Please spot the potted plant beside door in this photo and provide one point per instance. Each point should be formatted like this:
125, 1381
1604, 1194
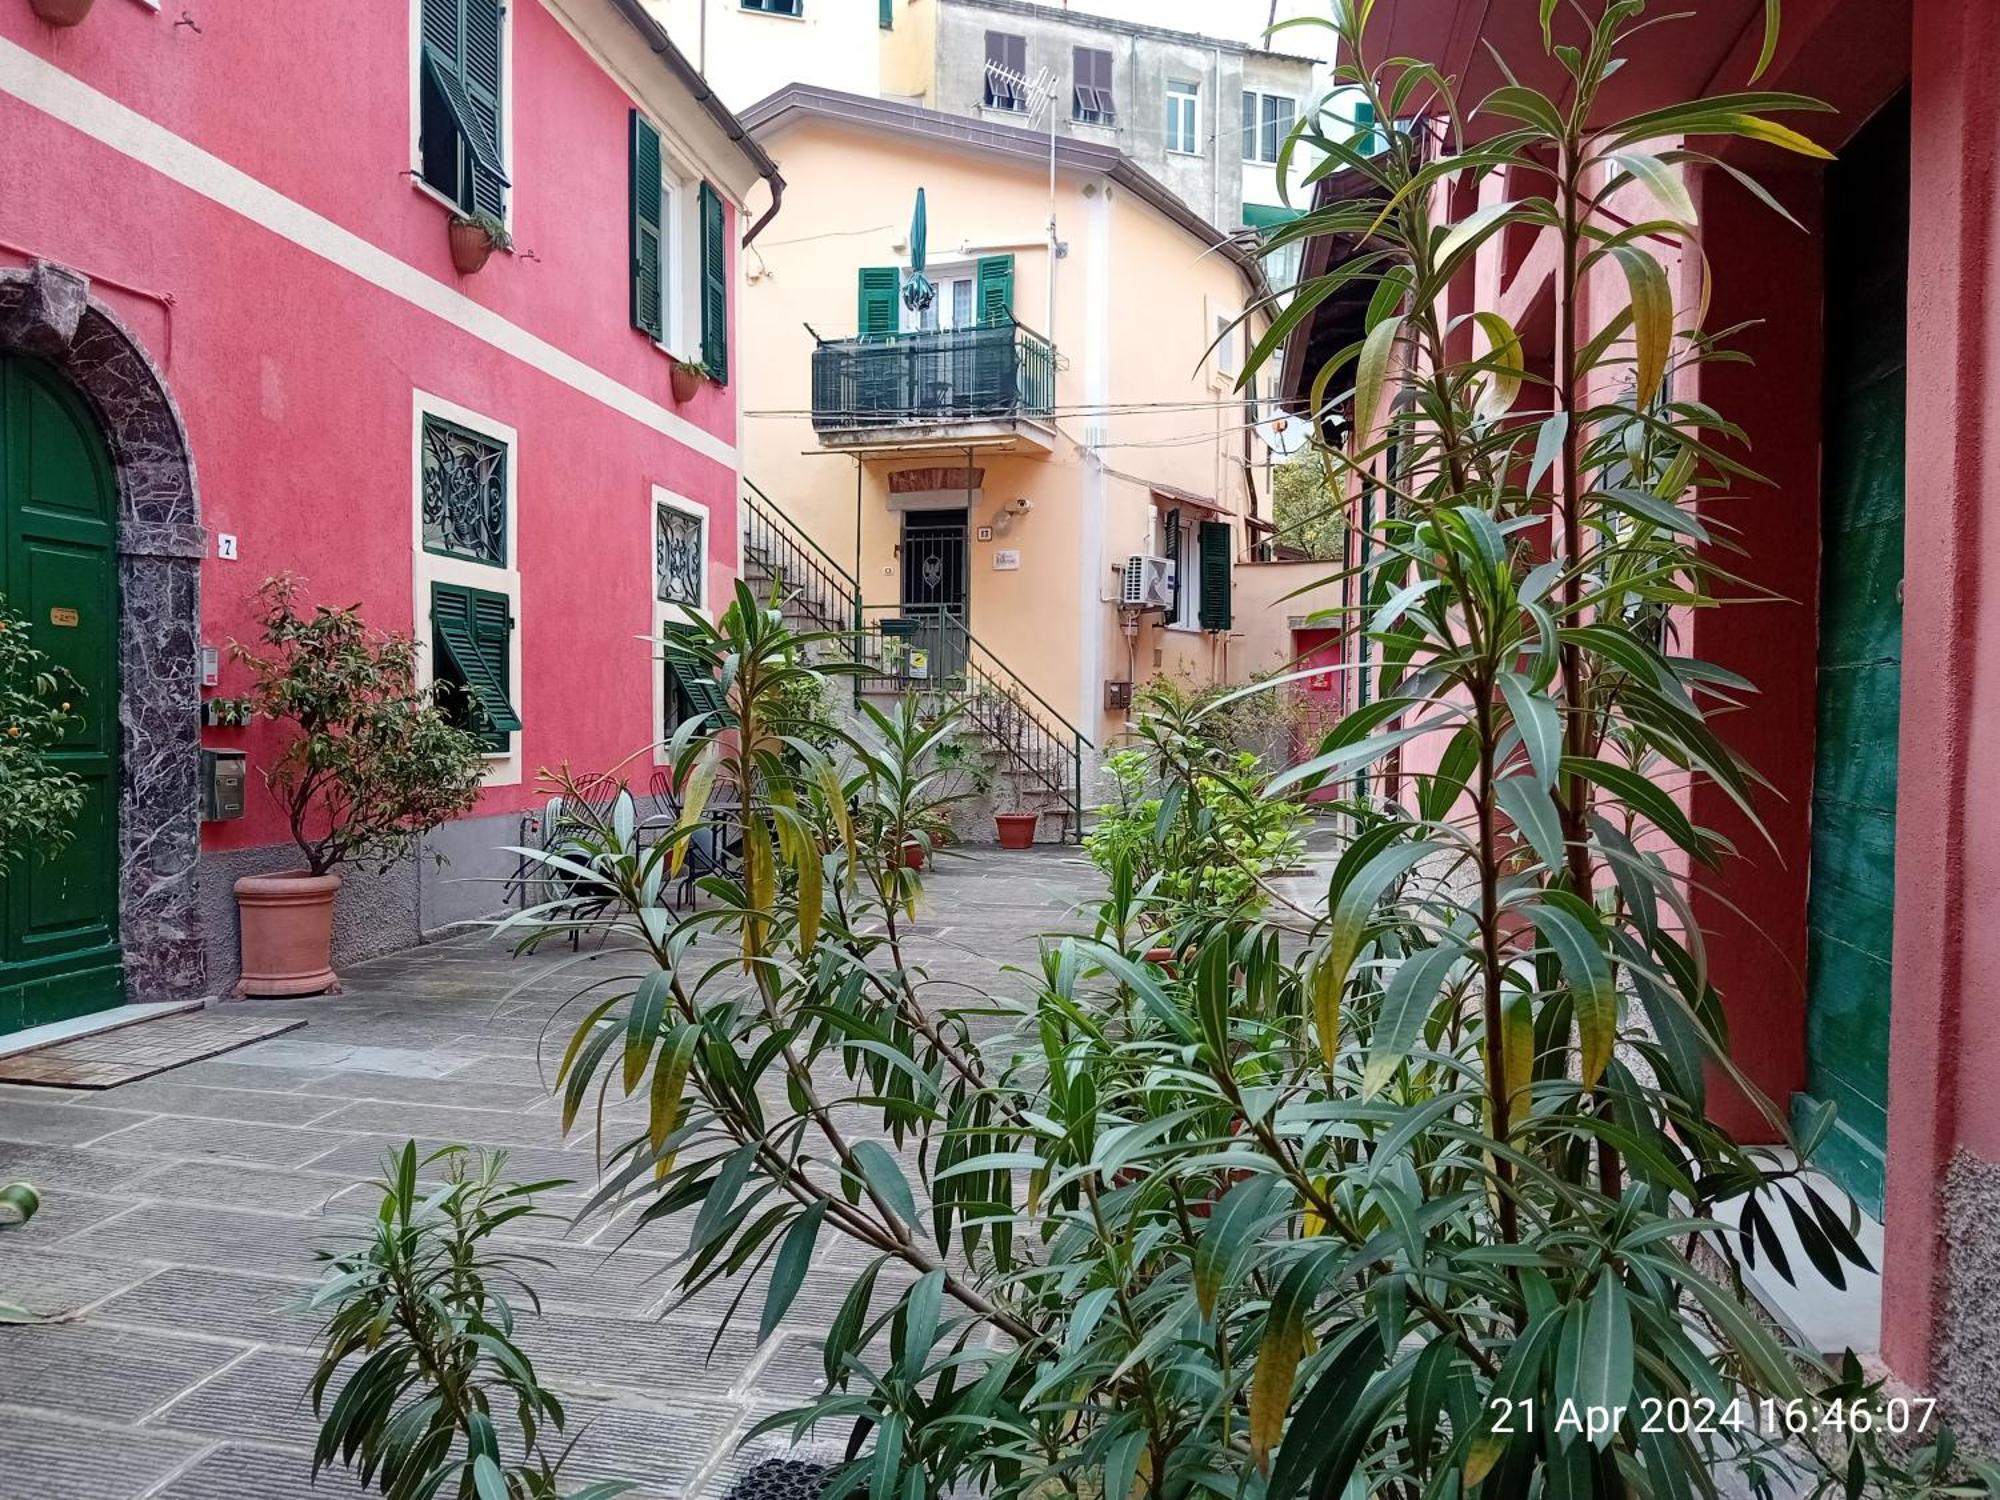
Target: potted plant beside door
372, 763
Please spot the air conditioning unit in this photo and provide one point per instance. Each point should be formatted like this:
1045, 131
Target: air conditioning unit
1149, 582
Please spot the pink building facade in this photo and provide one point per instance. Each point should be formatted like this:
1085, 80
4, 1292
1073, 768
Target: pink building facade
1856, 964
228, 301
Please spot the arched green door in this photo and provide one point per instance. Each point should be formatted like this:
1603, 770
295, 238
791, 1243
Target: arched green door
59, 952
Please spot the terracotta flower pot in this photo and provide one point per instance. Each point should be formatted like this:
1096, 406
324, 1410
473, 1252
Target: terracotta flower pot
62, 12
1166, 959
684, 382
1017, 830
470, 246
913, 853
287, 934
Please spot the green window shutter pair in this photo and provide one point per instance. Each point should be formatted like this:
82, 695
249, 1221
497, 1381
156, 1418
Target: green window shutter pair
880, 286
472, 632
648, 305
462, 59
1218, 558
714, 286
993, 290
692, 671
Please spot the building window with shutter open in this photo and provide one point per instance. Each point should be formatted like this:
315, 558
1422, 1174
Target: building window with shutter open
1006, 72
677, 253
685, 683
1091, 101
461, 103
467, 579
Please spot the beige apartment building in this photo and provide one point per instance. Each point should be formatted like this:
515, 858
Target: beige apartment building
1030, 474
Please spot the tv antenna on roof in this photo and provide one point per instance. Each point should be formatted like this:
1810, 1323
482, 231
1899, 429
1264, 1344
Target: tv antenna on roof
1019, 93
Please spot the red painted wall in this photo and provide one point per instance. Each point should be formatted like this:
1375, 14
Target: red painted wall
295, 376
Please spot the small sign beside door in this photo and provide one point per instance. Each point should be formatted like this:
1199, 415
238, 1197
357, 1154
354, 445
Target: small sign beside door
1006, 560
69, 619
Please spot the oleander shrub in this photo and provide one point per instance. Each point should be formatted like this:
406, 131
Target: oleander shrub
1411, 1191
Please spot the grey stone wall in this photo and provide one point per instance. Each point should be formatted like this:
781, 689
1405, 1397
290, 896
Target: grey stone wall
1966, 1366
378, 911
1144, 60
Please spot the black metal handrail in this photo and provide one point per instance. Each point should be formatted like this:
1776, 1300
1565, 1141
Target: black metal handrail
933, 652
933, 375
957, 666
820, 587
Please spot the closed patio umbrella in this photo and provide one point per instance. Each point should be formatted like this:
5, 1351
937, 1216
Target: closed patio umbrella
918, 293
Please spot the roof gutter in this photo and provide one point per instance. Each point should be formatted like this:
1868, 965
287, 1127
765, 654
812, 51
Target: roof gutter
690, 77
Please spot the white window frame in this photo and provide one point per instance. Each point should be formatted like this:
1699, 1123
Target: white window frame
1256, 155
1183, 96
1226, 362
666, 613
941, 276
680, 251
416, 97
502, 768
1186, 565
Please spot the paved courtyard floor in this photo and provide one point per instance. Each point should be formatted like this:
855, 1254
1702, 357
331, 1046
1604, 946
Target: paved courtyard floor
180, 1215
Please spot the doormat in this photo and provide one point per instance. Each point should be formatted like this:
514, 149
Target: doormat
130, 1053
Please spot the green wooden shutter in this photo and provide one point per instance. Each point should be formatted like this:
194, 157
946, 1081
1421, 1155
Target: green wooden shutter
1171, 537
879, 287
994, 290
483, 71
644, 154
692, 666
888, 15
1218, 557
472, 632
714, 287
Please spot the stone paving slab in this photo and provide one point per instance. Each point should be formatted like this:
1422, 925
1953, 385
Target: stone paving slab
71, 1459
225, 1304
169, 1095
231, 1184
55, 1283
180, 1217
63, 1168
237, 1472
94, 1370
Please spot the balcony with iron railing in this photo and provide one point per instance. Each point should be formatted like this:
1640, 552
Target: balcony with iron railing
935, 387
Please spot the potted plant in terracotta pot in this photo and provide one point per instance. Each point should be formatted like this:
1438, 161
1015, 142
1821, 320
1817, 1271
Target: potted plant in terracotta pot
62, 12
1016, 829
373, 763
474, 237
684, 378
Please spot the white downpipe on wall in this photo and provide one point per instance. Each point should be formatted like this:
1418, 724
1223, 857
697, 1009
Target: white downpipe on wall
1097, 391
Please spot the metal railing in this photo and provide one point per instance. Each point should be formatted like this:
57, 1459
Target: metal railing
931, 652
933, 375
775, 549
927, 652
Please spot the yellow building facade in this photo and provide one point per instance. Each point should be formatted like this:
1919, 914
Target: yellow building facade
1001, 460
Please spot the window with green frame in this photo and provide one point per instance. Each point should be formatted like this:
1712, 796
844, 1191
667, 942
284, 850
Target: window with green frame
472, 661
464, 493
460, 93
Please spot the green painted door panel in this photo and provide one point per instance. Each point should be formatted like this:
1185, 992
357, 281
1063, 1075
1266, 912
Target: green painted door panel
1850, 912
59, 952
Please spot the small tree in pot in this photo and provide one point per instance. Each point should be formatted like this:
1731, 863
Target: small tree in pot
375, 764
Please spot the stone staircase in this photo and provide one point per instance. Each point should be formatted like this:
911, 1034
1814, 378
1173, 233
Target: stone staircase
1034, 756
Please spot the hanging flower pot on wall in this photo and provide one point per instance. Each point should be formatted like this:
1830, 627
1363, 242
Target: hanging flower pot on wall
685, 379
474, 237
62, 12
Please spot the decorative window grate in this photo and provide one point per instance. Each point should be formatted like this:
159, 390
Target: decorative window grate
680, 556
465, 494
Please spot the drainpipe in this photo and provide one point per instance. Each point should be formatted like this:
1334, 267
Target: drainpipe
1215, 137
